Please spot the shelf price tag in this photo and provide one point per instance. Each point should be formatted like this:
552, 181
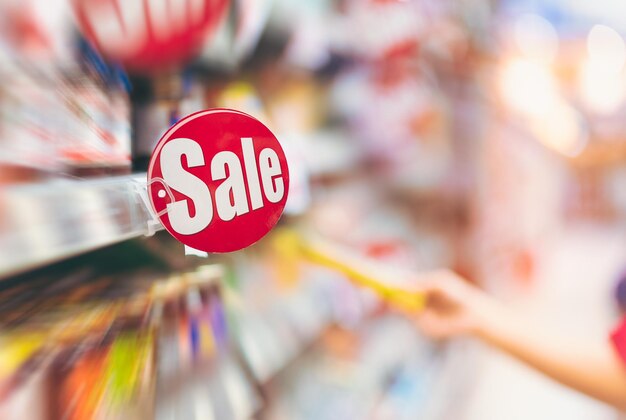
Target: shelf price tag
223, 180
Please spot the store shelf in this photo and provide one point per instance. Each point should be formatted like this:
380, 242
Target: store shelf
43, 223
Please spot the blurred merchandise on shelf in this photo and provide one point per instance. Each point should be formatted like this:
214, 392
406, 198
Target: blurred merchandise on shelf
90, 346
354, 374
63, 111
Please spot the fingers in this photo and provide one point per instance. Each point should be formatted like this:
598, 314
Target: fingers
444, 282
437, 327
440, 282
452, 304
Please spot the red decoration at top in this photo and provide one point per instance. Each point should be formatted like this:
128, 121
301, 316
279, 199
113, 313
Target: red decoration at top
147, 35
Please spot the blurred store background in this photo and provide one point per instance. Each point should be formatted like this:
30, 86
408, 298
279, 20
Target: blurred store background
482, 135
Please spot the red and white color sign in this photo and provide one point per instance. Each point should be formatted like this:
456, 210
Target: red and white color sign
218, 179
147, 35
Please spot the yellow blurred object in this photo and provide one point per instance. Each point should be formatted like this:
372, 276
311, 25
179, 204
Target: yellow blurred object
15, 349
288, 258
362, 271
244, 97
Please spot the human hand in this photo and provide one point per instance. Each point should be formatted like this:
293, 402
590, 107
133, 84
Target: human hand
453, 306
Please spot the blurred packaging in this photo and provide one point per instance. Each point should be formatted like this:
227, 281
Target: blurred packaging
62, 110
118, 350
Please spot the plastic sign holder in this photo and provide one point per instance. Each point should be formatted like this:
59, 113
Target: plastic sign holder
140, 192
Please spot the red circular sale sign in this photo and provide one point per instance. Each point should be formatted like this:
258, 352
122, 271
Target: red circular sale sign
218, 180
147, 35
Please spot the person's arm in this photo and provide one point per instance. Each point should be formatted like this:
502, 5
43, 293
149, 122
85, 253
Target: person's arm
455, 308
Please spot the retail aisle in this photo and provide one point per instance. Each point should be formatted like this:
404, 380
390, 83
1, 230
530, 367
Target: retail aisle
575, 293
